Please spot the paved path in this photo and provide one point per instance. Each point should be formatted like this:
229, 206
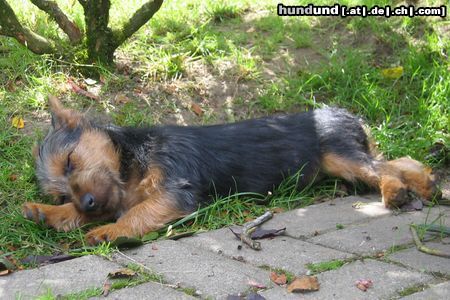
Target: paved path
373, 242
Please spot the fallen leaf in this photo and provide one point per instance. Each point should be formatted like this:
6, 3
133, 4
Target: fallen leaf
392, 73
304, 284
260, 233
256, 284
5, 272
90, 81
277, 210
251, 29
106, 288
279, 279
196, 109
126, 242
364, 284
12, 177
151, 236
415, 204
121, 99
18, 122
255, 296
234, 297
122, 273
77, 89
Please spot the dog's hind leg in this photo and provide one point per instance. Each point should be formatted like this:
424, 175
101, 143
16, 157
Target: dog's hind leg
61, 217
393, 178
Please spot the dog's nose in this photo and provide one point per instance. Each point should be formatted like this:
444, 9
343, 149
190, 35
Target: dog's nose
87, 202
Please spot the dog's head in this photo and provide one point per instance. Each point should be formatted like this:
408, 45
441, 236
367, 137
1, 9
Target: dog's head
77, 162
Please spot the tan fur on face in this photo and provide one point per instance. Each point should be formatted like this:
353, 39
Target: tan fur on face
95, 150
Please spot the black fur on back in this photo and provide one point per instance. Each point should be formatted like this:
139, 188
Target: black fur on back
249, 156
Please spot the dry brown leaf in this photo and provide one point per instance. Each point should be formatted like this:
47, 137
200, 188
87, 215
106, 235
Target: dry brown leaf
5, 272
106, 288
304, 284
256, 284
122, 273
277, 210
196, 109
121, 99
278, 279
77, 89
364, 284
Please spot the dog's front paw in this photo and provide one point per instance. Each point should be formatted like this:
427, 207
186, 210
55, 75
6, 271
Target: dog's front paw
107, 233
34, 212
62, 218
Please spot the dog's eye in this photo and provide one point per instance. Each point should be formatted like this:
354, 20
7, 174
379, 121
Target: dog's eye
62, 199
69, 165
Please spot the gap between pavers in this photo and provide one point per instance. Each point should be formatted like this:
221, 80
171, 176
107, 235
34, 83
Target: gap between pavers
324, 217
188, 266
388, 280
377, 234
67, 277
147, 291
436, 292
425, 262
280, 252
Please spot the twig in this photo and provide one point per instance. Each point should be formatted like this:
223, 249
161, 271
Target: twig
421, 247
249, 227
53, 10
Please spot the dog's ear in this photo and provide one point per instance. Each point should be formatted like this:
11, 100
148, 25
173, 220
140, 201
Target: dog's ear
63, 117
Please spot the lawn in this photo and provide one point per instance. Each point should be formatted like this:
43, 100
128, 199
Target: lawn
205, 62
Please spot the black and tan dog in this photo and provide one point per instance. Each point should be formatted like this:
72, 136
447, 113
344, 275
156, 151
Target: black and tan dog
142, 178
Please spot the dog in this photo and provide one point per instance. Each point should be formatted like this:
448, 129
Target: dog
143, 178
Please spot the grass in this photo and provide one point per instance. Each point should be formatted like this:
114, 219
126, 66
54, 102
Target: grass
316, 268
236, 59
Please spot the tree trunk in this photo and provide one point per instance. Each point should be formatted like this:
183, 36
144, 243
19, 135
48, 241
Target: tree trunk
51, 8
100, 39
10, 26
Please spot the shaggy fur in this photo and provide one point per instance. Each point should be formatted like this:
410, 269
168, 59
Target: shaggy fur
142, 178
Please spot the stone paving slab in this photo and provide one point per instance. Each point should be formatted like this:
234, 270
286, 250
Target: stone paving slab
375, 235
62, 278
422, 261
388, 280
188, 266
147, 291
281, 252
323, 217
437, 292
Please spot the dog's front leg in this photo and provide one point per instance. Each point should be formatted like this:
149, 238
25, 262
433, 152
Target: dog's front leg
149, 215
61, 217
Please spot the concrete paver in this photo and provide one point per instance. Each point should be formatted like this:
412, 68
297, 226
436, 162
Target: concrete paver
211, 264
62, 278
437, 292
281, 252
147, 291
323, 217
422, 261
188, 266
388, 280
375, 235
